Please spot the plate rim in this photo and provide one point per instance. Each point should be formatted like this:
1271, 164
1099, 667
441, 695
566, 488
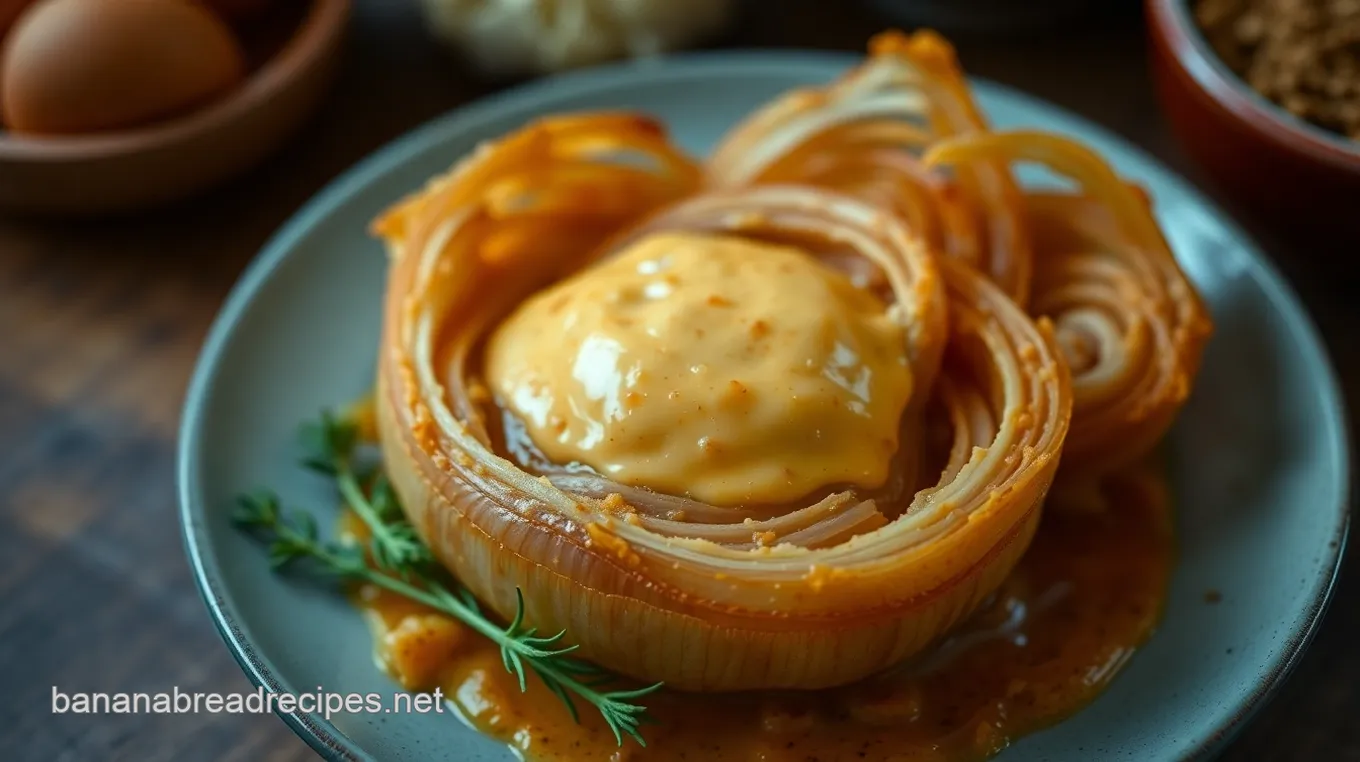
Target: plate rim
321, 735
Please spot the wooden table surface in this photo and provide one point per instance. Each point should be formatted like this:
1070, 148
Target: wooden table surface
100, 323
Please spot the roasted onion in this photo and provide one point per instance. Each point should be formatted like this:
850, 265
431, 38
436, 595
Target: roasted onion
662, 587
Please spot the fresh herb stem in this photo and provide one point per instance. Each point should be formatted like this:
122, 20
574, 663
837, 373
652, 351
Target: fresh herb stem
405, 566
332, 445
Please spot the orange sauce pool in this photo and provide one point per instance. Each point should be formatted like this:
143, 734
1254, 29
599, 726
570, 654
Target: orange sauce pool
1088, 592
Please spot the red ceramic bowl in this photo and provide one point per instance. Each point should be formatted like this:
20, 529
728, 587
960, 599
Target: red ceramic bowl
1280, 169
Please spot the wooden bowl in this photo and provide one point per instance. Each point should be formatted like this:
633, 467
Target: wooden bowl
1281, 170
142, 167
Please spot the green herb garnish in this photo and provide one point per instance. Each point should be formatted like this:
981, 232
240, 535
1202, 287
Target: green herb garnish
402, 564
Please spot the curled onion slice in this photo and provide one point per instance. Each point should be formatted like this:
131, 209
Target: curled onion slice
863, 134
840, 590
1131, 325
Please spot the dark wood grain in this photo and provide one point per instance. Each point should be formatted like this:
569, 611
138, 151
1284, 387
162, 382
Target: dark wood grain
100, 323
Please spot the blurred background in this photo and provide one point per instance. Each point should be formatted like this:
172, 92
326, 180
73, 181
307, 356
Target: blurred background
133, 193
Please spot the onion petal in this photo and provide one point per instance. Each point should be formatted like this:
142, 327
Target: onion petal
863, 134
1131, 325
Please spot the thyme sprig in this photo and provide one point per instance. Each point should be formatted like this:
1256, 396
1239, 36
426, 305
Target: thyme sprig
331, 444
402, 564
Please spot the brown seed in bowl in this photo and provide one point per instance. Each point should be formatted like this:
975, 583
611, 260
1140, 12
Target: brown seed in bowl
1302, 54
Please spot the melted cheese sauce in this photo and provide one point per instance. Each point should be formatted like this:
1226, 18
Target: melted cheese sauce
727, 370
1088, 592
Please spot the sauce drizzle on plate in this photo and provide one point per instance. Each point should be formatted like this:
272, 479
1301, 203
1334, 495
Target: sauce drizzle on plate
1089, 591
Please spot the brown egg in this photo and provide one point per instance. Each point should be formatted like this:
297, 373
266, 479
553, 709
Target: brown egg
73, 66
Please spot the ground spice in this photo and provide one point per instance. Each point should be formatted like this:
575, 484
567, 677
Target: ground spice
1302, 54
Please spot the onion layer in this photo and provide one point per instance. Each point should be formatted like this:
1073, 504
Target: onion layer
863, 134
1131, 325
654, 586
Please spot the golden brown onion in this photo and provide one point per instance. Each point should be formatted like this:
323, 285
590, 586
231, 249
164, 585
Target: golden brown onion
664, 588
1131, 325
862, 135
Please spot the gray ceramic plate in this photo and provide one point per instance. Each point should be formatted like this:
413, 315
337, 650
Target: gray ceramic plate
1260, 454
